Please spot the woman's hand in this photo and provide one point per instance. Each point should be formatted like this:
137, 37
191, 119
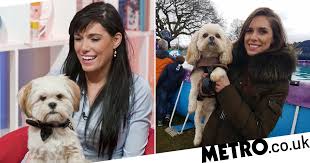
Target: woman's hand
221, 83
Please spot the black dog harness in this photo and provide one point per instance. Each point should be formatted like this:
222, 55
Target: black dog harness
47, 128
207, 65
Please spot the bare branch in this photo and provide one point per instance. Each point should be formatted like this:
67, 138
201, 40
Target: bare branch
183, 16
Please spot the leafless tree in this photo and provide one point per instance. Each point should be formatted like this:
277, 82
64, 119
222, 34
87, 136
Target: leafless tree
184, 16
235, 29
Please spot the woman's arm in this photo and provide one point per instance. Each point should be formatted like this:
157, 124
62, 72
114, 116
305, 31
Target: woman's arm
139, 120
253, 122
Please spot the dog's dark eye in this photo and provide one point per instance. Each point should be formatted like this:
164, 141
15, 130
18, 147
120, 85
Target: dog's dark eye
42, 98
59, 96
218, 35
205, 35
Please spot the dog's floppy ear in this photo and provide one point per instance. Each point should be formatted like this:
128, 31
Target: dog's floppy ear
192, 55
75, 93
23, 96
226, 57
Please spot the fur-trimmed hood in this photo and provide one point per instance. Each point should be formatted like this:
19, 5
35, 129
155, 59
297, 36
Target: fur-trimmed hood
272, 66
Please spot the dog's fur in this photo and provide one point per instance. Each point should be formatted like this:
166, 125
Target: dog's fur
200, 47
34, 99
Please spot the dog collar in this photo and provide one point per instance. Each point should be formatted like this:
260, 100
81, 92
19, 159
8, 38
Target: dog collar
47, 128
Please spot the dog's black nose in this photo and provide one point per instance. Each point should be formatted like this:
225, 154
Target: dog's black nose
211, 38
52, 105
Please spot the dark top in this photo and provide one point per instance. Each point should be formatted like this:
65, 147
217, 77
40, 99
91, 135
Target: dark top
250, 106
171, 78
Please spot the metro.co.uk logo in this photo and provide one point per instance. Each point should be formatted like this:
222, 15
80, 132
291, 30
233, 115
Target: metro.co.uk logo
250, 148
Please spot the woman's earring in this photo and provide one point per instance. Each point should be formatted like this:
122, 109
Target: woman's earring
115, 52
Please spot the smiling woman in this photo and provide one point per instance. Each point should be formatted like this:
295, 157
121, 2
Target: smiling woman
95, 48
115, 107
258, 36
251, 97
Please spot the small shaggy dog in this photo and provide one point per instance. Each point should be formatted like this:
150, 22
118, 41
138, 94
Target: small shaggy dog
209, 52
49, 102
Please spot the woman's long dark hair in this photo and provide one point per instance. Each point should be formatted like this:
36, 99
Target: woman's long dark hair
279, 36
112, 102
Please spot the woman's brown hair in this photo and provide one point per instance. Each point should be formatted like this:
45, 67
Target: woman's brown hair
279, 36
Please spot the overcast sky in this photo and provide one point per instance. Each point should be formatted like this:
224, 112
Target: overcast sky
295, 14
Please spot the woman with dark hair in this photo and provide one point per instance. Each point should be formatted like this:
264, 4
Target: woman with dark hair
251, 97
115, 107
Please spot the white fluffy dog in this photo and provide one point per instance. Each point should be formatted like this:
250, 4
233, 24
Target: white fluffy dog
208, 47
49, 102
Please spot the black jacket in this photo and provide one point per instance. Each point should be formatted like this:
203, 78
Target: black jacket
171, 78
250, 106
